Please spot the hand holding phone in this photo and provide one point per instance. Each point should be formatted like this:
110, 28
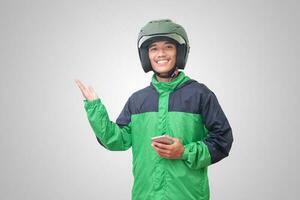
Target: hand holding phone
165, 139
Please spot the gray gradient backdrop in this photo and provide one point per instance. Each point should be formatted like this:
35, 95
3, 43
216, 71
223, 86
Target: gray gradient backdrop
247, 52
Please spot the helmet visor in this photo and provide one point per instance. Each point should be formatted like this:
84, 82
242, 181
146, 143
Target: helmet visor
173, 36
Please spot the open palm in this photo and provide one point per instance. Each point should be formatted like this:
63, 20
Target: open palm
88, 92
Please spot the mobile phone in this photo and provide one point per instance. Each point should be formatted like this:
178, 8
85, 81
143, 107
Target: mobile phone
162, 139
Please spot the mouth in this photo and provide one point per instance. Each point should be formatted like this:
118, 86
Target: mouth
162, 62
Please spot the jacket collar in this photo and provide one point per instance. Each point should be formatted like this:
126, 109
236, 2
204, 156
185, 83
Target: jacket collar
162, 87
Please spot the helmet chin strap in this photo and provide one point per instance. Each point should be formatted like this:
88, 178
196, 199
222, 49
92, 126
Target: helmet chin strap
171, 74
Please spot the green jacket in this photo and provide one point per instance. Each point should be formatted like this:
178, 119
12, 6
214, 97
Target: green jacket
182, 108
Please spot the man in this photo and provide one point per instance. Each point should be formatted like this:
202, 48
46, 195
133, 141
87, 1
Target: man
173, 105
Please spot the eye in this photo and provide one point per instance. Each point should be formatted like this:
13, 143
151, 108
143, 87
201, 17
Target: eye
170, 46
153, 49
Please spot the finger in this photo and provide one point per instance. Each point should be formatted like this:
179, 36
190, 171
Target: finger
85, 91
80, 85
78, 82
160, 151
162, 146
165, 152
92, 91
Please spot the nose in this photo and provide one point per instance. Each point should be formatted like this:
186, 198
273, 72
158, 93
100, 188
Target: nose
161, 52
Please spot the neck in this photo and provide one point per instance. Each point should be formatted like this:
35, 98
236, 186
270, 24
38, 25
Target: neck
160, 79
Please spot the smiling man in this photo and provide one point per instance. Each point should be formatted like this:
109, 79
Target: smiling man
175, 126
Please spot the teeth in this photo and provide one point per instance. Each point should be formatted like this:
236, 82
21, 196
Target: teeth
162, 61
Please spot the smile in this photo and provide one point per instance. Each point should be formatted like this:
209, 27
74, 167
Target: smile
162, 61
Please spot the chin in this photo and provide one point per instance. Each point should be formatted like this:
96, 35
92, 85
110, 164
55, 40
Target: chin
163, 70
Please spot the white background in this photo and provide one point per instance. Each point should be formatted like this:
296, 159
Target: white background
247, 52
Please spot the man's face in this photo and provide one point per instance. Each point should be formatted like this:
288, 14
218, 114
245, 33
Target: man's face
162, 56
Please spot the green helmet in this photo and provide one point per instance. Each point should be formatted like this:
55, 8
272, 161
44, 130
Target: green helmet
163, 29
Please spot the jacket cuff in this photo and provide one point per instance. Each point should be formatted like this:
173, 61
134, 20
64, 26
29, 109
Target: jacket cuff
184, 155
91, 104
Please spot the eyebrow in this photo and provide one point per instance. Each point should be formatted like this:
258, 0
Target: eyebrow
153, 44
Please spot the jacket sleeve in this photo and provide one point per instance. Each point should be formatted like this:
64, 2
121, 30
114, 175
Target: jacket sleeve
112, 136
217, 144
